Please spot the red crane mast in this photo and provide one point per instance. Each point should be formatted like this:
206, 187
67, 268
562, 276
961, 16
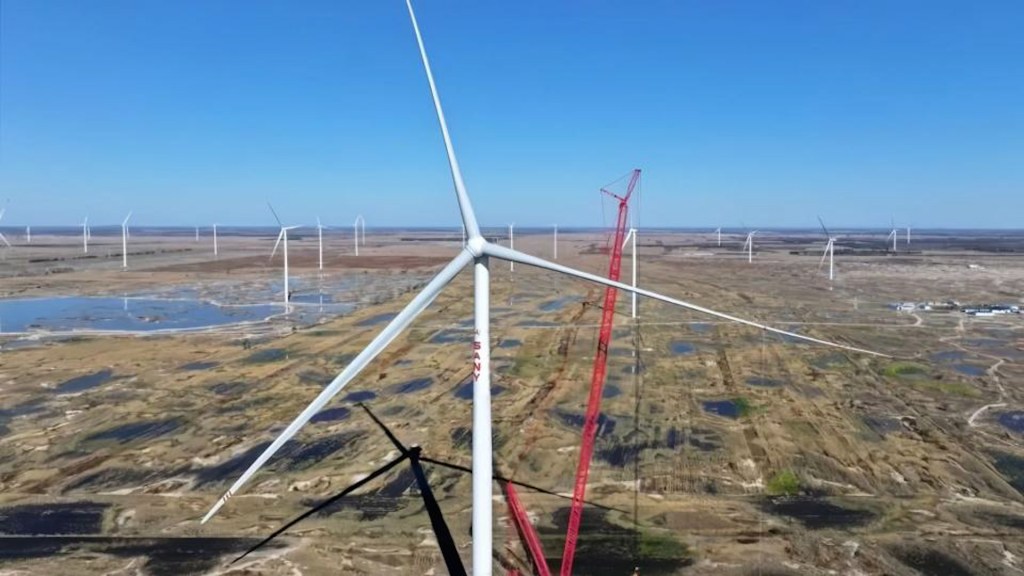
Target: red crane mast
526, 531
597, 378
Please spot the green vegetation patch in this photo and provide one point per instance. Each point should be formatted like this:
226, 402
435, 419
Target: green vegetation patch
949, 387
784, 483
904, 369
743, 406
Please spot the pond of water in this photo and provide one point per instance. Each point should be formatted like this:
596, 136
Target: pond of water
123, 314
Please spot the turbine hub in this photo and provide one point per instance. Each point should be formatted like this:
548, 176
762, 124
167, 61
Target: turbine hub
476, 245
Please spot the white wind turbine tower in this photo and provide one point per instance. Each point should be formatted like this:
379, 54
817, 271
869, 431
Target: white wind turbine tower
477, 251
28, 234
85, 235
124, 241
719, 232
214, 240
512, 246
749, 246
283, 234
555, 244
892, 235
197, 233
829, 250
320, 237
908, 234
360, 221
2, 237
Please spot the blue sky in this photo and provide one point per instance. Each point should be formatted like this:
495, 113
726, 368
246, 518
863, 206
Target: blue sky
767, 113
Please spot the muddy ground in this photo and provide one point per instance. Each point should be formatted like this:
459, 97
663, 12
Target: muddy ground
722, 449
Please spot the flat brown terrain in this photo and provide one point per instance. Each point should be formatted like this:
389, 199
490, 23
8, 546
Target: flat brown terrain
723, 449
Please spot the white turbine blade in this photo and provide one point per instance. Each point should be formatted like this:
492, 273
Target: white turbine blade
318, 225
465, 208
381, 341
503, 253
276, 244
628, 234
125, 223
4, 238
274, 212
824, 254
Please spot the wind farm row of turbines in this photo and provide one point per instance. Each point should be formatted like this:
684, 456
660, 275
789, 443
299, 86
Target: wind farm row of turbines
828, 253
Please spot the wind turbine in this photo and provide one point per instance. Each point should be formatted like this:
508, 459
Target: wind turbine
555, 244
511, 245
28, 234
908, 234
214, 240
2, 237
829, 250
477, 251
197, 233
320, 236
283, 234
749, 246
892, 235
355, 229
631, 235
719, 232
124, 241
85, 235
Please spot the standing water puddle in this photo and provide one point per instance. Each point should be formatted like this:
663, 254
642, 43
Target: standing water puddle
949, 356
83, 383
815, 513
727, 408
378, 319
680, 348
360, 396
52, 519
412, 386
136, 431
465, 392
970, 370
195, 366
1013, 420
330, 415
120, 314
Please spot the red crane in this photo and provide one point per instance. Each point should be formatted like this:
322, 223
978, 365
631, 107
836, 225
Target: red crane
597, 378
526, 531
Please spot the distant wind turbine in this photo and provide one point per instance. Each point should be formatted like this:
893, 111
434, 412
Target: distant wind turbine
749, 245
28, 234
124, 241
719, 232
892, 235
214, 240
283, 234
555, 243
908, 234
85, 235
829, 250
2, 237
197, 233
355, 230
320, 236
